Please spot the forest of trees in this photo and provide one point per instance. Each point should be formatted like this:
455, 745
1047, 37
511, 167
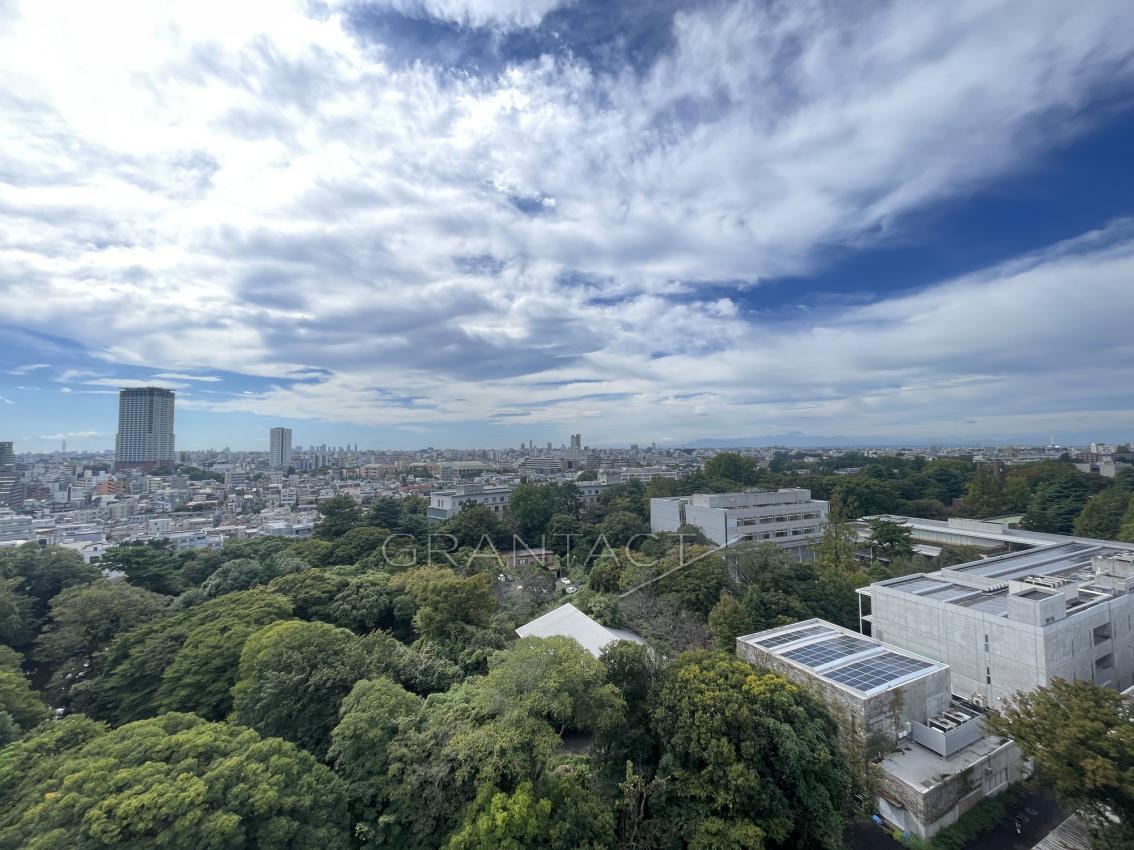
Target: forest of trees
365, 688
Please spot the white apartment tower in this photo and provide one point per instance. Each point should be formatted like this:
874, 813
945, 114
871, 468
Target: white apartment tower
280, 448
145, 428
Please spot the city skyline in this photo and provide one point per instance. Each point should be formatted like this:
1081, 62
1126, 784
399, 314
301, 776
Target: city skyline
474, 224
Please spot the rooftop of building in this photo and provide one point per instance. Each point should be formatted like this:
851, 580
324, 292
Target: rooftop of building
569, 621
923, 769
844, 658
1084, 574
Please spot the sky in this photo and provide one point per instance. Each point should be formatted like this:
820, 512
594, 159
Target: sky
409, 223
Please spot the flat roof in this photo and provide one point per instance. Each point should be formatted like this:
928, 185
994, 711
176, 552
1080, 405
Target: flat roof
842, 657
983, 585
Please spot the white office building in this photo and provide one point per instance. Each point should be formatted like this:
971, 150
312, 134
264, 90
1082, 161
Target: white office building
444, 504
145, 428
279, 449
787, 517
1016, 622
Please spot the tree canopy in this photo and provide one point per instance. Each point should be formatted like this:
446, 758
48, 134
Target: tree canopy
173, 781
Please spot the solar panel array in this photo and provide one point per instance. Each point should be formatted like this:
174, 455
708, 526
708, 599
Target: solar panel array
877, 670
826, 651
788, 637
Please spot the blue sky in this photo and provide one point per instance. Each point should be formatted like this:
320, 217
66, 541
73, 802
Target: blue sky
477, 222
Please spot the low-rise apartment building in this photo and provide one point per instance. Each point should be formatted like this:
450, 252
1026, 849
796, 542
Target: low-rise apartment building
788, 517
444, 504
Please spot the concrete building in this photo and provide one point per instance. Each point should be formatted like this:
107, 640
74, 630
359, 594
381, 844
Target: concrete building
988, 534
934, 758
279, 448
444, 504
543, 465
145, 428
1015, 622
7, 457
788, 517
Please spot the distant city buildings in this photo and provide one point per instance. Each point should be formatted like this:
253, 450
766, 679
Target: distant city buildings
279, 449
145, 428
788, 517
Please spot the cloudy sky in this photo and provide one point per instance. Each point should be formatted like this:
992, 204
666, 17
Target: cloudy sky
477, 222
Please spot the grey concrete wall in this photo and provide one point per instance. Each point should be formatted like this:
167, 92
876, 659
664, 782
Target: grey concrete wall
665, 515
929, 810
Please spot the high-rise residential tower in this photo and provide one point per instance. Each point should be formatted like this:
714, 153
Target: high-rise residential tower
279, 452
145, 428
7, 457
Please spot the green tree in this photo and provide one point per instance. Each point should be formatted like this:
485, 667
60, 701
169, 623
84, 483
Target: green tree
890, 540
384, 512
337, 516
17, 622
312, 592
620, 528
293, 676
1126, 528
357, 543
141, 670
151, 565
439, 763
87, 617
41, 572
476, 523
175, 782
728, 620
369, 718
19, 703
752, 750
984, 495
865, 496
531, 507
554, 679
365, 604
1081, 736
732, 467
1102, 516
1056, 501
444, 600
560, 812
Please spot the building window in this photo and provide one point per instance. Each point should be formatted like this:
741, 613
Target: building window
987, 675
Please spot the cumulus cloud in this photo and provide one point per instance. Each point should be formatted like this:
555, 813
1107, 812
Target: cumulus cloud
474, 13
263, 189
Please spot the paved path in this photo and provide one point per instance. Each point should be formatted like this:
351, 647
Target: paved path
1038, 813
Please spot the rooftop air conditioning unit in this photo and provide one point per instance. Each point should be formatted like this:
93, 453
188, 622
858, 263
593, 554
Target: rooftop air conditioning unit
978, 700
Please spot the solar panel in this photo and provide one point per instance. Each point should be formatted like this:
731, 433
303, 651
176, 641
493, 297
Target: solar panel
787, 637
878, 670
826, 651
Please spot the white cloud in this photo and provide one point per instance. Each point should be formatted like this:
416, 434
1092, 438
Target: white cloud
179, 376
476, 13
243, 187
